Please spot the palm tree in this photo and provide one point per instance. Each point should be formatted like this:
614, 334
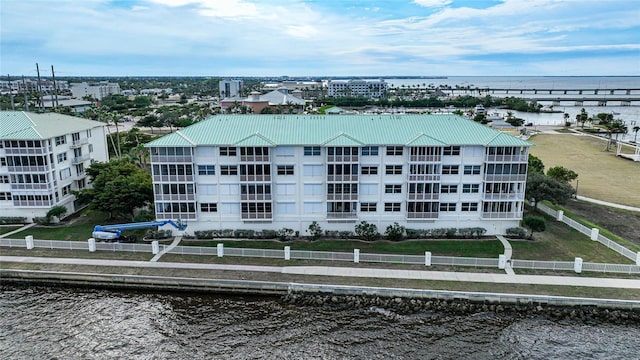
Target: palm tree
635, 130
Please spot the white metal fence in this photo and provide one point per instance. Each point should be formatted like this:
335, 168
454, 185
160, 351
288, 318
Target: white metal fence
329, 256
588, 231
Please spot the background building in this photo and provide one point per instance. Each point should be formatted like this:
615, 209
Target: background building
230, 88
42, 158
352, 88
97, 90
273, 171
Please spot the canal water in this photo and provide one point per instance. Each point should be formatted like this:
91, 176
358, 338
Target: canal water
79, 323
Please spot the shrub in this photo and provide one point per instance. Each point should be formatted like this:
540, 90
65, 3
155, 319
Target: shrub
57, 211
366, 231
345, 234
249, 234
516, 233
285, 234
42, 220
331, 234
394, 232
314, 230
13, 220
159, 234
534, 223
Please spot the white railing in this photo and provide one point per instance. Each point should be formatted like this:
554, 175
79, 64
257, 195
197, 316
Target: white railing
328, 256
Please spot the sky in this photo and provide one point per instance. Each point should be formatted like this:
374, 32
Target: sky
320, 37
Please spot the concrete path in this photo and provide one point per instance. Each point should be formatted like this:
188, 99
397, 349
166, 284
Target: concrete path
507, 254
606, 203
18, 230
351, 272
174, 243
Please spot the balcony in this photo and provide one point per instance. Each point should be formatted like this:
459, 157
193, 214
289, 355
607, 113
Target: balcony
425, 158
501, 215
342, 215
173, 216
254, 158
173, 178
424, 177
422, 215
29, 169
171, 159
255, 197
505, 177
32, 203
28, 151
353, 197
424, 196
79, 143
342, 178
342, 158
503, 196
39, 186
507, 158
254, 178
257, 216
174, 197
79, 159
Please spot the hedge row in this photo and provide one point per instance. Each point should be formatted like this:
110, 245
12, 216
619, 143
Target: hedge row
446, 233
12, 220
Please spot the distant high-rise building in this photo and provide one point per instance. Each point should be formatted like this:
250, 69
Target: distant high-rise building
230, 88
97, 90
369, 89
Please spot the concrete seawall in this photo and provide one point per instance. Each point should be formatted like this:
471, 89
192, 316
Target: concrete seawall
297, 291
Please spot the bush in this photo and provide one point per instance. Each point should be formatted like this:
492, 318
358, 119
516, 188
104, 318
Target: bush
13, 220
366, 231
394, 232
534, 223
249, 234
285, 234
516, 233
331, 234
42, 220
158, 235
57, 211
314, 230
345, 234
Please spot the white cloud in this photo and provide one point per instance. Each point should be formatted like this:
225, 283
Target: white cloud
432, 3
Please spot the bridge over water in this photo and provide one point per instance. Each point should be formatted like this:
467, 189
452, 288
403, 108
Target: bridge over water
558, 96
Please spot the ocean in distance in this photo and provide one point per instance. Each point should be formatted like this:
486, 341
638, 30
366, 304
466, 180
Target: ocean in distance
79, 323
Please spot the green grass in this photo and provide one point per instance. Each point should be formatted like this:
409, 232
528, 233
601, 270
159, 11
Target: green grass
6, 229
465, 248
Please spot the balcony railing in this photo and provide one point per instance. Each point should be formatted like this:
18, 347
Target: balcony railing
342, 178
33, 203
28, 151
501, 215
40, 168
39, 186
173, 178
171, 158
342, 158
254, 158
342, 196
503, 196
265, 177
507, 158
424, 196
425, 158
171, 197
252, 216
342, 215
424, 177
79, 159
255, 196
173, 216
505, 177
79, 142
422, 215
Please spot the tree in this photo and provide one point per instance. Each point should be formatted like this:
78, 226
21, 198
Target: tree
535, 165
367, 231
314, 230
481, 118
635, 130
534, 223
57, 211
542, 187
119, 188
581, 118
616, 126
394, 232
562, 174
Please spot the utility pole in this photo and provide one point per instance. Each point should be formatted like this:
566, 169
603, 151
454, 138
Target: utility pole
40, 96
55, 88
13, 105
24, 88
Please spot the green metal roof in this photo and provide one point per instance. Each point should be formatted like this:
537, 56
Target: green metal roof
20, 125
337, 130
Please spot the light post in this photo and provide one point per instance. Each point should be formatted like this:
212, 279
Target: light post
577, 183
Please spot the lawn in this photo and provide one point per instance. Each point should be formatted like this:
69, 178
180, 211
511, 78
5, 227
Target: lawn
601, 175
6, 229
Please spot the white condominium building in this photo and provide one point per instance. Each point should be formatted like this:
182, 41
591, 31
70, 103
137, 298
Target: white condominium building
267, 172
353, 88
230, 88
97, 90
42, 158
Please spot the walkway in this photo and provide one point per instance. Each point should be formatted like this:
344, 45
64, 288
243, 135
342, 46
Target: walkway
18, 230
606, 203
351, 272
507, 254
174, 243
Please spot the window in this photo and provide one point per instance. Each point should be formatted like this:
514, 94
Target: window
312, 151
203, 189
447, 206
472, 169
89, 133
90, 148
3, 161
286, 208
394, 150
312, 189
313, 208
312, 170
470, 188
393, 169
5, 196
393, 189
285, 189
66, 190
469, 206
61, 140
450, 169
4, 179
285, 169
206, 169
451, 150
392, 207
369, 189
209, 207
228, 170
285, 151
449, 189
228, 151
370, 151
65, 173
369, 170
62, 157
368, 207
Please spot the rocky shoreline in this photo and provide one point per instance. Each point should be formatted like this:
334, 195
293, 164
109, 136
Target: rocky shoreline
403, 306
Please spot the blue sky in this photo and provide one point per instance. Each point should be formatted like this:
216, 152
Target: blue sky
320, 37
